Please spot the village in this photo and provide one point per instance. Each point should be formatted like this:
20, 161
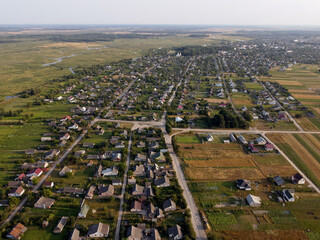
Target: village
144, 138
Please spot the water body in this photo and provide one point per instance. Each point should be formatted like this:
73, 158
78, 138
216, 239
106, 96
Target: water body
58, 60
61, 58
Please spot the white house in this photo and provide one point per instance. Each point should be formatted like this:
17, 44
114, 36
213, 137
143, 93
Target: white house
253, 201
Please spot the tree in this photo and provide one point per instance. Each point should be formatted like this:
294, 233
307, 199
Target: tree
247, 116
218, 121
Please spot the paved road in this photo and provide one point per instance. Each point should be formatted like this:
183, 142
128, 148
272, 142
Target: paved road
125, 177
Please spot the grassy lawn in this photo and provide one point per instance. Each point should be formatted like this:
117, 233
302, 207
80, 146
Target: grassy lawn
188, 139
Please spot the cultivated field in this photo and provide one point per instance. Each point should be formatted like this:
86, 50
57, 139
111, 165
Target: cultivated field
303, 150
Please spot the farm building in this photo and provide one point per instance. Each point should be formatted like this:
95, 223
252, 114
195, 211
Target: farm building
298, 179
253, 201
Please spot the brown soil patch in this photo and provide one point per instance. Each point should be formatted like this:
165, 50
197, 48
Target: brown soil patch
261, 235
301, 91
310, 103
214, 100
284, 171
306, 96
232, 174
242, 102
312, 141
289, 83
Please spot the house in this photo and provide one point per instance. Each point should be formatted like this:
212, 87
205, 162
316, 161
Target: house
154, 212
71, 190
136, 206
124, 133
64, 171
154, 145
162, 182
116, 157
138, 171
178, 119
244, 109
98, 230
268, 147
98, 171
90, 192
75, 235
132, 181
253, 201
46, 139
137, 190
112, 171
134, 233
232, 138
44, 203
175, 232
140, 157
209, 138
288, 195
119, 144
79, 153
48, 184
116, 182
242, 140
83, 211
88, 145
261, 141
243, 184
17, 231
222, 105
141, 144
66, 136
169, 205
30, 151
252, 148
62, 143
4, 203
106, 191
34, 172
51, 154
298, 179
20, 177
278, 180
63, 221
16, 192
158, 156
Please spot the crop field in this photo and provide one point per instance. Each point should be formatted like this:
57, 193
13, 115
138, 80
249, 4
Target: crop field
303, 150
253, 86
215, 160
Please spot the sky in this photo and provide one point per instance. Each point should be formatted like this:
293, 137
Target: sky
187, 12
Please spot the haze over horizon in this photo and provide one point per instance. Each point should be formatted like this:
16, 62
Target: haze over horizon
176, 12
